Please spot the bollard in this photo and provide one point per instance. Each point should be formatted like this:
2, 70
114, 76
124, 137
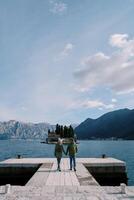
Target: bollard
123, 188
18, 156
103, 156
7, 188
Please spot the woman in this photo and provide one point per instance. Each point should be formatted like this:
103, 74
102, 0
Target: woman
58, 152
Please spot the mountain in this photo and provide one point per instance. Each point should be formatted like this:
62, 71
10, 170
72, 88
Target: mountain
19, 130
115, 124
74, 125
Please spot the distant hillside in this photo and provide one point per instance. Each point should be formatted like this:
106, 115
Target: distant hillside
74, 125
19, 130
117, 124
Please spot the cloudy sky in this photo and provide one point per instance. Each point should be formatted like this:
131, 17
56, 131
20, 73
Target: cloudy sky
65, 60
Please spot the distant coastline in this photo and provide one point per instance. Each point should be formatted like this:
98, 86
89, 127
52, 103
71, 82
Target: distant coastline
115, 125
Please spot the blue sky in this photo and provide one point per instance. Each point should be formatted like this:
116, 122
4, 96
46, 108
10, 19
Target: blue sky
64, 61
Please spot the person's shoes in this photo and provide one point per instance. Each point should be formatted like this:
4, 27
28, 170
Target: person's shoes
75, 169
59, 169
70, 168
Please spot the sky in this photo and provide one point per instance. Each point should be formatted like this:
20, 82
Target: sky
62, 61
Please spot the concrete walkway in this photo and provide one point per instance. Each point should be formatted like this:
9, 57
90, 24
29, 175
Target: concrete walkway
48, 174
49, 184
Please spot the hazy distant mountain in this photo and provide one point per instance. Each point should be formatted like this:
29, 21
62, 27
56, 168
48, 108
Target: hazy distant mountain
19, 130
117, 124
74, 125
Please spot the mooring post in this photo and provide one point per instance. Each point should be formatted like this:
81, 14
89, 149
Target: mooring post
18, 156
123, 188
7, 188
103, 156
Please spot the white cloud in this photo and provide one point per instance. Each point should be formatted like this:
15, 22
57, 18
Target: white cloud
57, 7
119, 40
115, 71
114, 100
67, 49
65, 52
97, 104
91, 104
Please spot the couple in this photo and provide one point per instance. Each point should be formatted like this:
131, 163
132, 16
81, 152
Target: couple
71, 149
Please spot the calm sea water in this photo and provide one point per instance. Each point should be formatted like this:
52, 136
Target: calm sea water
123, 150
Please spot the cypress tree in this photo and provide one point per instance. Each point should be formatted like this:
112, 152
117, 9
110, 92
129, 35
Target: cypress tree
71, 131
65, 131
61, 132
57, 130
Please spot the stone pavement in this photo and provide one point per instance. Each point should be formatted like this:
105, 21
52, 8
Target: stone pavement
56, 193
67, 193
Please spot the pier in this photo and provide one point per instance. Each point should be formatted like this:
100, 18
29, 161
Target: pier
38, 178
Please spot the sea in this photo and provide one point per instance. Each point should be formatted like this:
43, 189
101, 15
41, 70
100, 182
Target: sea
123, 150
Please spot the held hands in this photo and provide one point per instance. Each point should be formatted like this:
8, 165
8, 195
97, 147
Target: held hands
65, 153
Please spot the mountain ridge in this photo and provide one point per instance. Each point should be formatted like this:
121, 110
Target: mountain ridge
14, 129
117, 124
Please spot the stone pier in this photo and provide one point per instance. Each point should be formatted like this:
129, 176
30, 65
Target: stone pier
43, 181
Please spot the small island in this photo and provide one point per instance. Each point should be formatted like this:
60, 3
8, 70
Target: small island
62, 132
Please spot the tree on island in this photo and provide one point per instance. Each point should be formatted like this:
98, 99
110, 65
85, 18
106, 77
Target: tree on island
64, 132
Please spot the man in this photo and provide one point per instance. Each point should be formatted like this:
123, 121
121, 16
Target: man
72, 150
58, 152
